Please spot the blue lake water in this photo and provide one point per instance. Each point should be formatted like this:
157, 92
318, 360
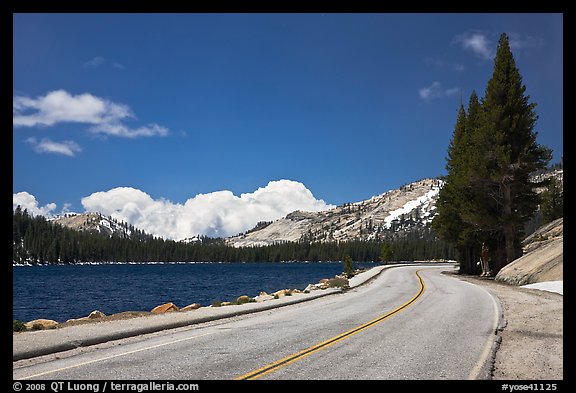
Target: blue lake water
61, 292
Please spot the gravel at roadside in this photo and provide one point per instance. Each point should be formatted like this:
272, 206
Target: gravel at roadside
532, 337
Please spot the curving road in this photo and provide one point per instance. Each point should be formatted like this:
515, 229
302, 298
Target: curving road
411, 322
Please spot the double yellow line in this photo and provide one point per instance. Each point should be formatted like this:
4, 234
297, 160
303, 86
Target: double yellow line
324, 344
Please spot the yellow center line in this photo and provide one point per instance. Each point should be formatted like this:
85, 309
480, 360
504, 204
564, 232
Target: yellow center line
331, 341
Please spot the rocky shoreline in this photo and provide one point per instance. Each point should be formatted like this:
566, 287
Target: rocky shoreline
338, 281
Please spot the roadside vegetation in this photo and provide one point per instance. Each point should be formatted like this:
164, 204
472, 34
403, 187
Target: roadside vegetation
490, 194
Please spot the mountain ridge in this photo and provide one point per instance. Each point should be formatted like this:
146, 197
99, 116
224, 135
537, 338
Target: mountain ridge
408, 207
94, 221
384, 216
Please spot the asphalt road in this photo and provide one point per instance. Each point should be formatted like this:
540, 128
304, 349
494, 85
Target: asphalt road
411, 322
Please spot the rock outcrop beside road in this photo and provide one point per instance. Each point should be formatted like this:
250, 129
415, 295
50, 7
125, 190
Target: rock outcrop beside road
543, 258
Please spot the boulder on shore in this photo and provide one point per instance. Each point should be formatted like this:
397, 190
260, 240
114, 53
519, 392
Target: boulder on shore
263, 297
243, 299
190, 307
41, 324
96, 314
92, 316
72, 320
164, 308
323, 283
282, 292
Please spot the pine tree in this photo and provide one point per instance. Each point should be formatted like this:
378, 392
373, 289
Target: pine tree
347, 266
509, 152
385, 253
472, 192
448, 222
552, 202
488, 195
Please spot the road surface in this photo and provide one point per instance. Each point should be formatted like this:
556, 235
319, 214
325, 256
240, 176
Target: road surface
411, 322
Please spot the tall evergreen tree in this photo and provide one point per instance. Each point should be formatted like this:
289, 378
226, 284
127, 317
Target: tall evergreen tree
488, 196
447, 222
459, 190
510, 154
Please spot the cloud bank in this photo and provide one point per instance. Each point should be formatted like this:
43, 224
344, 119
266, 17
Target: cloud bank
215, 214
59, 106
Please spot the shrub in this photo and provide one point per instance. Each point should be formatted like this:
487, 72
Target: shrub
18, 326
338, 282
347, 266
216, 303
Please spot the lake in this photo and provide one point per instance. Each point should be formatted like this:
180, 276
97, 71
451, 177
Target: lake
61, 292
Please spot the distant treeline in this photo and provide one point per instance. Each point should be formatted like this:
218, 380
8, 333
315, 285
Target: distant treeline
39, 241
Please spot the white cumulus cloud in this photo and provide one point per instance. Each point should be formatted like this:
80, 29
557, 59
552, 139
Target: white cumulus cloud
28, 201
105, 116
215, 214
60, 106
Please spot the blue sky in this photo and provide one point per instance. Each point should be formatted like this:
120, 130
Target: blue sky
330, 108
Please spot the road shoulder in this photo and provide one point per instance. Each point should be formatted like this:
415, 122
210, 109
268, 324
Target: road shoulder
531, 345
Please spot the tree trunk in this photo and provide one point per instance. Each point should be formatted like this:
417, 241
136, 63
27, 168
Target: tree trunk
463, 260
467, 257
498, 258
508, 223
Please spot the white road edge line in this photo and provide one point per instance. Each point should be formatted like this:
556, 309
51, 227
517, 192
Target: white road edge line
490, 342
115, 356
